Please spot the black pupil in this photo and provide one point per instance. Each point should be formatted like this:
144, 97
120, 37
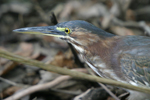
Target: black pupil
66, 30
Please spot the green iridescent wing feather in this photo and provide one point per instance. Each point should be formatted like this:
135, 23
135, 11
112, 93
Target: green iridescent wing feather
136, 68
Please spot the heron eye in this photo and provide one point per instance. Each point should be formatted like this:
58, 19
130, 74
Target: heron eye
67, 30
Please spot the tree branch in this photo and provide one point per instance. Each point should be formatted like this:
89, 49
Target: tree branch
74, 74
38, 87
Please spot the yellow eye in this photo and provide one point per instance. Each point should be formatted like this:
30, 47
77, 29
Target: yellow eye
67, 30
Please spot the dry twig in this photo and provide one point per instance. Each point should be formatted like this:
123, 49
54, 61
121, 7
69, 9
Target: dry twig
74, 74
38, 87
104, 87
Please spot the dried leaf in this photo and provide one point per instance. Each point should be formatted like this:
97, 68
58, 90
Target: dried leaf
130, 15
63, 60
7, 67
25, 49
121, 30
9, 91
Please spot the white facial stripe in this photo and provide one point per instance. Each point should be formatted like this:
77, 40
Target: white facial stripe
102, 65
73, 40
79, 49
147, 84
94, 68
133, 83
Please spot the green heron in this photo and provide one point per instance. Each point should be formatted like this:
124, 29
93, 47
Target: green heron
121, 58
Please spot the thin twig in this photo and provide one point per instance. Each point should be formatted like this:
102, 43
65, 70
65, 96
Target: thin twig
104, 87
38, 87
67, 91
124, 94
74, 74
8, 81
108, 91
13, 83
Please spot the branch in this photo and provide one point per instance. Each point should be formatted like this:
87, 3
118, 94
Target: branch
74, 74
38, 87
43, 86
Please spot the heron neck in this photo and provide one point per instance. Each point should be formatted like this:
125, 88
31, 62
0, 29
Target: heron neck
102, 47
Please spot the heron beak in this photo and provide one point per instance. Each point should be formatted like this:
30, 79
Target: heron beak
44, 30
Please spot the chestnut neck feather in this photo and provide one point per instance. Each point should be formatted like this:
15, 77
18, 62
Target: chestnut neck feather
94, 44
103, 47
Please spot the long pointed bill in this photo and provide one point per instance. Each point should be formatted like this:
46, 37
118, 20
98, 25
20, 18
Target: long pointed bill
44, 30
